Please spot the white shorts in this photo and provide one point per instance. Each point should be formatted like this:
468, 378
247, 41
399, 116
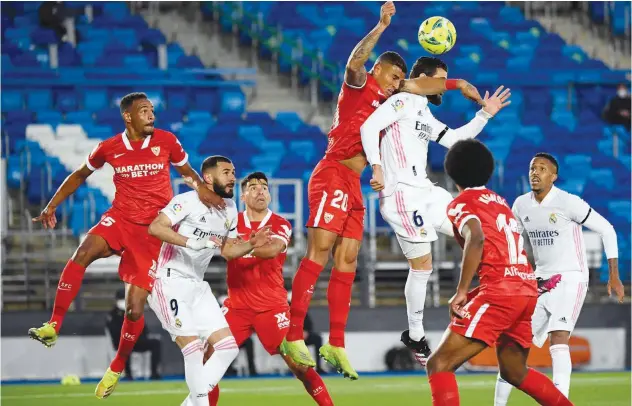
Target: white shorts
558, 310
415, 215
186, 307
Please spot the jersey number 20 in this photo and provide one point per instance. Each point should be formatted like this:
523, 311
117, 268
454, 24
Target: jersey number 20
511, 229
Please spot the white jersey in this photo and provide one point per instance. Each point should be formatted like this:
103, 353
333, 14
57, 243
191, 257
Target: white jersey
409, 126
554, 227
192, 219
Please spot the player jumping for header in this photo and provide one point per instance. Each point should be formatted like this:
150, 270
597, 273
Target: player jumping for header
412, 205
140, 156
336, 219
499, 312
553, 220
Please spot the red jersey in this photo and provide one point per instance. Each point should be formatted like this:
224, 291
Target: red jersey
141, 172
255, 283
355, 105
504, 269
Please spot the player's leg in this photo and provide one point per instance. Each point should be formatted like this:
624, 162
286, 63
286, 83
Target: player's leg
512, 361
193, 352
452, 352
311, 380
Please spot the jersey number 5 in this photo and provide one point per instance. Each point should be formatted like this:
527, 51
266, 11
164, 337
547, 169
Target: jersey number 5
516, 256
107, 221
340, 200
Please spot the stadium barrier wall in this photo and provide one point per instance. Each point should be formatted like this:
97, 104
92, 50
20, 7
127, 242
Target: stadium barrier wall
601, 342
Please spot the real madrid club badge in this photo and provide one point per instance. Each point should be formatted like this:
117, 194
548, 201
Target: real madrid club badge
552, 218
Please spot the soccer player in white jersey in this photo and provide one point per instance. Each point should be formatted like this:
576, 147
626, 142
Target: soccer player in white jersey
553, 220
191, 234
409, 202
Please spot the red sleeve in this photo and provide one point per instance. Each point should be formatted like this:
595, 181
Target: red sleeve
459, 212
282, 230
96, 159
177, 156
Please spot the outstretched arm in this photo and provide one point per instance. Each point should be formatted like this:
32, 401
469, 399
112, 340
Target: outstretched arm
425, 86
355, 73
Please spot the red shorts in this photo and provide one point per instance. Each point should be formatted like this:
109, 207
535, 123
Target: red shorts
335, 201
271, 326
492, 318
138, 250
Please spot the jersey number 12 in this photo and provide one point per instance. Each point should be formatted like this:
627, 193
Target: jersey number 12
516, 257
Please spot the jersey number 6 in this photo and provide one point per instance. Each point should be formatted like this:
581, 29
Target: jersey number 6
417, 219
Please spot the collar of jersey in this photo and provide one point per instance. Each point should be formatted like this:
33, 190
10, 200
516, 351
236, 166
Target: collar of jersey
547, 198
263, 222
128, 144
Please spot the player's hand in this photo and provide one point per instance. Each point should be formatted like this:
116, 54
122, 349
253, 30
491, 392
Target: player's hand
261, 237
198, 245
386, 12
47, 217
498, 101
470, 92
456, 304
211, 199
617, 286
377, 181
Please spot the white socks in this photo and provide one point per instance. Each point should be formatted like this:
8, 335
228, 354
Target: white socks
415, 291
562, 367
503, 390
193, 355
225, 352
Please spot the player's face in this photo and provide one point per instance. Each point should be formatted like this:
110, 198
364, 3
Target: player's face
142, 117
389, 77
256, 194
437, 99
542, 174
224, 180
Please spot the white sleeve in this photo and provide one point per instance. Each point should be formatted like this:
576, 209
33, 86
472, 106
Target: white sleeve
470, 130
392, 110
597, 223
177, 209
578, 210
514, 210
232, 216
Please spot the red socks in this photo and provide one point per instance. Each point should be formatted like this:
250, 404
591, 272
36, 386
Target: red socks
67, 289
129, 335
302, 292
445, 391
213, 396
316, 388
542, 389
339, 298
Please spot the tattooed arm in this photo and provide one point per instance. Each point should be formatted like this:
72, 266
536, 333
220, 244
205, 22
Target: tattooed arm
355, 73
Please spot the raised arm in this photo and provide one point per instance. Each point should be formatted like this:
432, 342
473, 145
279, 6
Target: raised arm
355, 73
425, 86
68, 187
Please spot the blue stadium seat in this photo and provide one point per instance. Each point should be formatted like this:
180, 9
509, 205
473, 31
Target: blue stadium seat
12, 100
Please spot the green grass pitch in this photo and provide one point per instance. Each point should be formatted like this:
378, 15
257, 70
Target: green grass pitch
587, 389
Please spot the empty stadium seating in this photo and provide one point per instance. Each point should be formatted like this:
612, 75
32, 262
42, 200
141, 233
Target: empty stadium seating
51, 118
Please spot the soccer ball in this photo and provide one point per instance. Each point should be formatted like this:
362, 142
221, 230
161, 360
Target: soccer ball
70, 380
437, 35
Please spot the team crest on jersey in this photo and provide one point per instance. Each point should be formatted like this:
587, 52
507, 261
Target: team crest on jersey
155, 150
328, 217
397, 105
227, 224
552, 218
423, 232
178, 323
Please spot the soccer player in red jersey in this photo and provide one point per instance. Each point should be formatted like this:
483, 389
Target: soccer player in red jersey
257, 299
498, 313
336, 220
140, 156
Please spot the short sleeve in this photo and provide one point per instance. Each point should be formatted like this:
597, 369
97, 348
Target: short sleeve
282, 230
96, 159
177, 155
232, 217
515, 211
459, 214
578, 210
177, 209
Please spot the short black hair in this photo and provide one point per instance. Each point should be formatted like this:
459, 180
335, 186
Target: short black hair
549, 158
393, 58
212, 161
428, 66
254, 175
129, 99
469, 163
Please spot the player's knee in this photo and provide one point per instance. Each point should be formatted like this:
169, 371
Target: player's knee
513, 376
559, 337
437, 363
86, 254
422, 263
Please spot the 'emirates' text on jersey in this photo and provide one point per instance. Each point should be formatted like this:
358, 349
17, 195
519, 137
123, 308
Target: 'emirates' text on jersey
554, 227
504, 269
355, 105
256, 283
141, 172
192, 219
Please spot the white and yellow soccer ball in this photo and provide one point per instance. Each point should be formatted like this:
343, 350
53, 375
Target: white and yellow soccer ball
437, 35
